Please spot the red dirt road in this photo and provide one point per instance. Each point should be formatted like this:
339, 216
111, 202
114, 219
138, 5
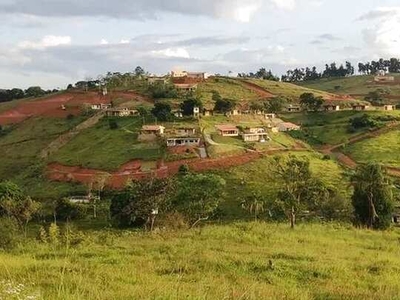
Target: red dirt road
51, 106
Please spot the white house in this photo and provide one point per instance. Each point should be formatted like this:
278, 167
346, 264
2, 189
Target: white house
100, 106
389, 107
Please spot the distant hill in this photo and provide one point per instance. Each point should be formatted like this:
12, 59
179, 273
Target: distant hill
356, 86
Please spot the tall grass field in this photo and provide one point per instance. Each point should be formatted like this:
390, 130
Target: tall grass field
236, 261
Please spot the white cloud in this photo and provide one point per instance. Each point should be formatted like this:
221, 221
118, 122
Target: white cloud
285, 4
46, 42
123, 41
103, 42
384, 36
172, 52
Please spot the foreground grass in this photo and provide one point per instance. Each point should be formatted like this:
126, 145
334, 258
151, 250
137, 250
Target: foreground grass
238, 261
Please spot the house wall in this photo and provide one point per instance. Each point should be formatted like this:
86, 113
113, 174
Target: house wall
172, 142
229, 133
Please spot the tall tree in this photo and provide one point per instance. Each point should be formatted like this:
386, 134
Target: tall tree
198, 196
372, 198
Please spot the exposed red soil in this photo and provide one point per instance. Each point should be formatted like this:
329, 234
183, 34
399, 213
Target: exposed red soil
52, 106
339, 98
260, 91
132, 170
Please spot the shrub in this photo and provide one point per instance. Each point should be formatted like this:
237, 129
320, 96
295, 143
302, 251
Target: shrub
9, 233
54, 234
66, 210
112, 123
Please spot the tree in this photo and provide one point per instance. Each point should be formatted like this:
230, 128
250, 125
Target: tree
162, 111
139, 71
140, 202
198, 196
254, 204
372, 198
299, 189
21, 210
224, 105
311, 103
17, 93
67, 211
275, 105
34, 91
375, 97
189, 104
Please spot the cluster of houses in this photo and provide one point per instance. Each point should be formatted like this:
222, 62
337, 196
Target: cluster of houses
335, 107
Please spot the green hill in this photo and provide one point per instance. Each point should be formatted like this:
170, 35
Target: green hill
358, 85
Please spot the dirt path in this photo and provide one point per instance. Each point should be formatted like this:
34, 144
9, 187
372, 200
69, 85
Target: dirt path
263, 93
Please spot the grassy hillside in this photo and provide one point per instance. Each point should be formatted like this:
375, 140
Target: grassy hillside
384, 149
256, 177
331, 128
227, 88
350, 85
291, 91
20, 149
237, 261
103, 148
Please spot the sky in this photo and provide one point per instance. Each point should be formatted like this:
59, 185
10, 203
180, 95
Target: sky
52, 43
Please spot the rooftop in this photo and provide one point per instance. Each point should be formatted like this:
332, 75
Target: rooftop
226, 127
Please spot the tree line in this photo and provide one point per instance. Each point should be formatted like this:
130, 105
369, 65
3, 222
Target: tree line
16, 93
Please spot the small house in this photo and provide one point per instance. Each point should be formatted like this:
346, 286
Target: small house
287, 126
100, 106
199, 76
178, 113
183, 141
331, 107
185, 87
384, 79
227, 130
270, 116
234, 112
293, 108
157, 80
389, 107
153, 129
185, 131
122, 112
178, 73
196, 112
360, 107
208, 112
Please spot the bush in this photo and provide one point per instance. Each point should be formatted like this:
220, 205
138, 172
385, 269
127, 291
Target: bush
9, 234
112, 123
66, 210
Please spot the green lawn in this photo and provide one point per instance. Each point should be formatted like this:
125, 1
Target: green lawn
102, 148
239, 261
350, 85
384, 149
